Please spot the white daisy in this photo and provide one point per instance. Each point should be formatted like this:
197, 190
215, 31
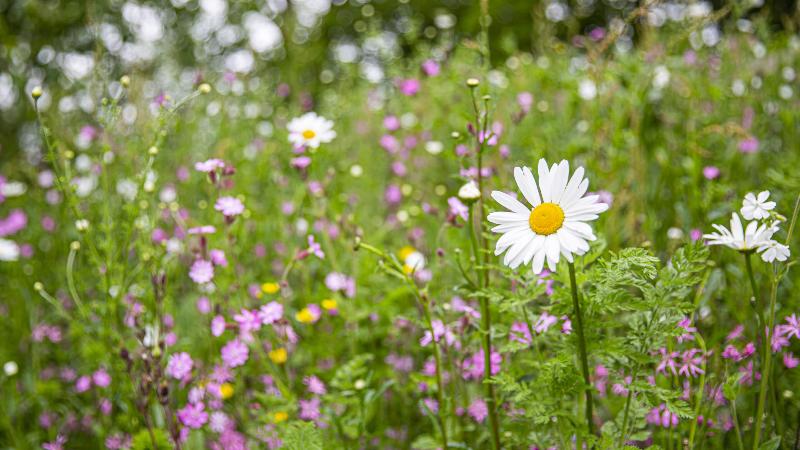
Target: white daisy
413, 260
310, 130
554, 225
756, 207
9, 250
740, 238
774, 251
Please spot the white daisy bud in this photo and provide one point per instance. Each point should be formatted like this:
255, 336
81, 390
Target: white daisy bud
469, 192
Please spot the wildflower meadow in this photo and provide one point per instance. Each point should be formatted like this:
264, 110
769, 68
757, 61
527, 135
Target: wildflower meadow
364, 224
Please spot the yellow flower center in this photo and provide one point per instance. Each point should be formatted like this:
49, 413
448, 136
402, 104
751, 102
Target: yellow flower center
546, 218
405, 252
280, 416
309, 134
278, 356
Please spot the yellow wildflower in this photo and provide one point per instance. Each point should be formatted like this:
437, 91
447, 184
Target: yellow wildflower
279, 355
226, 391
271, 287
329, 304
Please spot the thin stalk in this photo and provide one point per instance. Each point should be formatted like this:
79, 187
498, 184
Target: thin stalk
582, 347
71, 278
735, 415
699, 395
423, 302
486, 342
437, 359
754, 304
766, 363
626, 414
491, 398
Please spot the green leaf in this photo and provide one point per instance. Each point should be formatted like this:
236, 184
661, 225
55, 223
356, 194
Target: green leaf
145, 440
302, 436
771, 444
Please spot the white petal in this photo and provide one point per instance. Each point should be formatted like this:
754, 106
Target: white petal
502, 217
553, 249
510, 202
581, 229
736, 227
514, 255
567, 239
511, 238
559, 181
511, 226
534, 246
570, 192
527, 185
538, 261
544, 180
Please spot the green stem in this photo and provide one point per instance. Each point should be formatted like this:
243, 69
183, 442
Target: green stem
491, 398
699, 395
735, 415
766, 363
437, 359
754, 298
582, 347
625, 415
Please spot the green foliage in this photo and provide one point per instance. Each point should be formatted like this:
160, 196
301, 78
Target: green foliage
155, 439
302, 436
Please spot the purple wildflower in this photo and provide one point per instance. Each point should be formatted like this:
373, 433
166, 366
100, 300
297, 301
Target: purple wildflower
235, 353
193, 415
180, 365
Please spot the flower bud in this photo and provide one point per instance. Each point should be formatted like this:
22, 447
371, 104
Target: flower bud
36, 92
469, 192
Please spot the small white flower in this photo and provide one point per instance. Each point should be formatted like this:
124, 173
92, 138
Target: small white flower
12, 189
10, 368
413, 260
675, 233
82, 224
174, 246
127, 189
469, 192
9, 250
151, 333
434, 147
85, 185
773, 251
555, 224
587, 90
740, 238
756, 207
310, 130
661, 77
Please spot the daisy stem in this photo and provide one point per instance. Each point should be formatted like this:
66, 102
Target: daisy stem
766, 363
582, 347
754, 299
